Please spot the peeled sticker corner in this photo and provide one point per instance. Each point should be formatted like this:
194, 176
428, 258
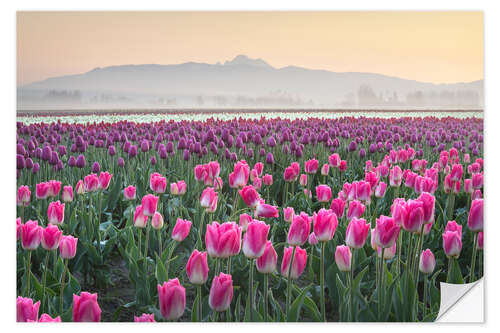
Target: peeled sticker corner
462, 303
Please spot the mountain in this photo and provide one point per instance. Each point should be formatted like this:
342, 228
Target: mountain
241, 82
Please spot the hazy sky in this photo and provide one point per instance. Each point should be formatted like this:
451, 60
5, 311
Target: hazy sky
439, 47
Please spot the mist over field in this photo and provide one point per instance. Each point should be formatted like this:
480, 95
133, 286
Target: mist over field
241, 82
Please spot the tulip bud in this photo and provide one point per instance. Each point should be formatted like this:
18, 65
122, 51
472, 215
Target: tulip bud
452, 244
303, 180
324, 169
312, 240
386, 232
244, 220
80, 188
31, 234
356, 233
343, 258
475, 219
55, 212
129, 192
197, 267
181, 230
140, 220
67, 194
172, 298
480, 240
223, 240
299, 229
157, 221
249, 196
266, 263
67, 247
324, 224
86, 308
221, 292
51, 236
299, 262
288, 213
323, 193
427, 262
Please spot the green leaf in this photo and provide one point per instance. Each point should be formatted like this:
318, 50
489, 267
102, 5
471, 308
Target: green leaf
294, 312
194, 310
455, 274
161, 271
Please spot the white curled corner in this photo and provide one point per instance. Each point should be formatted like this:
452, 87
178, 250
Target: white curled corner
462, 303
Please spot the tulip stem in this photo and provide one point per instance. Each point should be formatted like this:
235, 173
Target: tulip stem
200, 314
351, 278
98, 222
139, 231
200, 226
322, 280
450, 263
146, 243
252, 301
473, 261
266, 295
289, 289
170, 251
426, 282
381, 283
160, 247
28, 274
44, 282
63, 278
417, 255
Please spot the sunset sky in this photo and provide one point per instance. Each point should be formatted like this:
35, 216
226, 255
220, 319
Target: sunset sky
438, 47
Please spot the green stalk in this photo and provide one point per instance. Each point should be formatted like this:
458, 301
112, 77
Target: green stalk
160, 249
44, 282
252, 301
426, 282
171, 250
381, 283
198, 291
28, 274
146, 243
200, 226
322, 280
450, 263
98, 222
351, 291
289, 283
266, 295
139, 231
419, 249
61, 299
473, 260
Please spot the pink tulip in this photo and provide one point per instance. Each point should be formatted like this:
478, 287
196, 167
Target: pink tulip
289, 174
324, 224
26, 310
199, 172
157, 183
475, 220
157, 221
303, 180
343, 258
145, 318
267, 179
86, 308
239, 177
389, 252
54, 188
323, 193
253, 174
363, 191
67, 194
399, 212
45, 318
429, 203
414, 216
308, 193
477, 180
476, 195
266, 211
447, 184
178, 188
223, 240
480, 240
221, 292
197, 267
257, 183
288, 214
453, 226
244, 220
149, 204
311, 166
104, 180
208, 200
67, 247
456, 172
140, 220
299, 229
249, 196
55, 212
386, 232
299, 262
18, 228
395, 176
338, 207
312, 239
356, 233
218, 183
468, 186
324, 169
259, 167
181, 230
172, 297
51, 236
23, 196
380, 190
371, 178
372, 240
452, 244
334, 160
255, 238
91, 183
427, 262
356, 209
31, 235
42, 190
80, 187
266, 263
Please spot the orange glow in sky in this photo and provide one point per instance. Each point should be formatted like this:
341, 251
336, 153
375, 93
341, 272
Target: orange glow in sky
439, 47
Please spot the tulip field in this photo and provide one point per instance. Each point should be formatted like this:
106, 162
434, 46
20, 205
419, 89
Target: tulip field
240, 218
